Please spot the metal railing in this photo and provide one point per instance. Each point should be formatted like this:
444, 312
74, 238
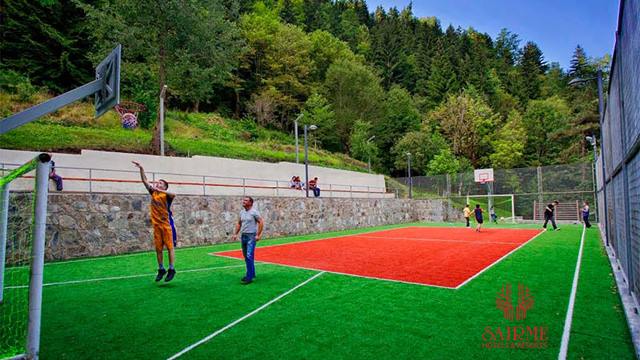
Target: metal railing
79, 179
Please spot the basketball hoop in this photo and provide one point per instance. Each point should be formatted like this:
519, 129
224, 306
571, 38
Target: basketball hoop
483, 176
128, 111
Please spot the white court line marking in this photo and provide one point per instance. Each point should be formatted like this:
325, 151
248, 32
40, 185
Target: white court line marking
564, 345
111, 257
121, 277
475, 241
234, 323
497, 261
393, 280
341, 273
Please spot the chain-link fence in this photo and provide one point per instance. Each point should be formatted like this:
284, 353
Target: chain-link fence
570, 184
619, 177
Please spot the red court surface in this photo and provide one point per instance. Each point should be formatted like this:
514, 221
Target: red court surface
444, 257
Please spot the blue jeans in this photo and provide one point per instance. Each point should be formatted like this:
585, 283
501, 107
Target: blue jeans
249, 250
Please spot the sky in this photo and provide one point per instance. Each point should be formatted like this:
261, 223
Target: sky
556, 26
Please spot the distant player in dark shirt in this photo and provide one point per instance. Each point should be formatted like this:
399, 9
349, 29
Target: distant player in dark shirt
478, 213
549, 214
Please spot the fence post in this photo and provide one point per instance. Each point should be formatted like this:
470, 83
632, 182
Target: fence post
540, 190
330, 192
244, 190
351, 191
90, 181
277, 184
204, 186
368, 192
513, 208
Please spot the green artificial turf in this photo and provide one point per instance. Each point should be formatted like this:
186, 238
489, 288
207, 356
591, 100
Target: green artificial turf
333, 316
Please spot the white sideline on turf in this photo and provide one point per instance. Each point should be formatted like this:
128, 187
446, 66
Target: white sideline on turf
120, 277
564, 345
230, 325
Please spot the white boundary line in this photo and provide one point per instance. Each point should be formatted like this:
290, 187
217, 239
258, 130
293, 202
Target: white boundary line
120, 277
389, 280
499, 260
111, 257
564, 345
234, 323
475, 241
341, 273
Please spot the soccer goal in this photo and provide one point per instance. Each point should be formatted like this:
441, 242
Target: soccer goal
503, 205
23, 218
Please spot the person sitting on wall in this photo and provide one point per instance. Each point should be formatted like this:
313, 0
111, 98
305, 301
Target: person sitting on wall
292, 183
313, 185
298, 183
55, 177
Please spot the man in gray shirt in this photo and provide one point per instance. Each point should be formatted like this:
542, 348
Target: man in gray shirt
250, 226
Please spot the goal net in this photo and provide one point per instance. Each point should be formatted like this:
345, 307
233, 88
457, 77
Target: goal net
503, 205
22, 226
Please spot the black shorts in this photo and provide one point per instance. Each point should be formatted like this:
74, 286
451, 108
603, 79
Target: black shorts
479, 221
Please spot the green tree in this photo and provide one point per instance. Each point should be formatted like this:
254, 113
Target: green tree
48, 41
401, 117
424, 145
509, 143
187, 42
317, 111
444, 163
354, 92
468, 123
579, 66
361, 148
545, 121
532, 68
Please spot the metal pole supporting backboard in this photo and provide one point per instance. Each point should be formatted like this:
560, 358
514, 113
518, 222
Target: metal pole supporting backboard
106, 88
162, 95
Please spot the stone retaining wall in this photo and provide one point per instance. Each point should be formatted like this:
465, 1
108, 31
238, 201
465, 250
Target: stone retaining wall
81, 225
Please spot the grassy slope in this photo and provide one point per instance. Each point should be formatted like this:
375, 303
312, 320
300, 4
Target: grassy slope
332, 317
73, 128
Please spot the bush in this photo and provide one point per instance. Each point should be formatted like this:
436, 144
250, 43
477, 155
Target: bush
15, 83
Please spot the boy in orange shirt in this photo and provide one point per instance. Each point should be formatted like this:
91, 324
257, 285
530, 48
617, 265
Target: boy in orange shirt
164, 233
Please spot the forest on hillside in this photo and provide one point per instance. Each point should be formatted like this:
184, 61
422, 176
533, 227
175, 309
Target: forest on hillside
378, 82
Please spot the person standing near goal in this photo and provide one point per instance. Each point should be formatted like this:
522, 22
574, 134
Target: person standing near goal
249, 226
163, 228
467, 214
549, 215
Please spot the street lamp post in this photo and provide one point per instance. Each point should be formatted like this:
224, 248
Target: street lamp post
598, 78
306, 157
409, 175
369, 152
163, 94
295, 125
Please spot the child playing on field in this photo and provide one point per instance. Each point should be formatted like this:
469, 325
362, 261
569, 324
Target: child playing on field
163, 228
467, 213
494, 217
478, 213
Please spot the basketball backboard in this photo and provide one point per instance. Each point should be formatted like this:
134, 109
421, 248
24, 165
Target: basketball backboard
109, 71
483, 175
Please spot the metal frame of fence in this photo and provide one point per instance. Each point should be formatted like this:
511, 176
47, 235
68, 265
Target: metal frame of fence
279, 187
567, 183
618, 175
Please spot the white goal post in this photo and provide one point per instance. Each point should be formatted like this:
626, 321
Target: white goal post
512, 208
